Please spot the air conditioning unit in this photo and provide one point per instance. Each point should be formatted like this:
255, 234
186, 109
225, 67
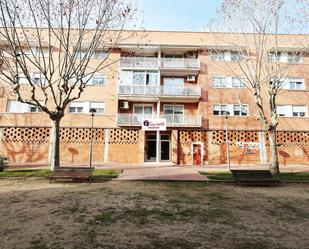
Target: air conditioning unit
191, 78
124, 105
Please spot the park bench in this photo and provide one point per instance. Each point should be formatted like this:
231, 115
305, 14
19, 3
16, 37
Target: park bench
71, 174
254, 177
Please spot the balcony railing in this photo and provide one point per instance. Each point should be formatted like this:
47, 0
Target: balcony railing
188, 63
157, 91
139, 62
175, 120
182, 120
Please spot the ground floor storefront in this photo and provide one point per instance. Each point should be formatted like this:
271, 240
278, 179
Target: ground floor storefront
174, 146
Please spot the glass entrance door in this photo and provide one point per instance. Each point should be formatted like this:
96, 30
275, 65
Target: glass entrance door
165, 147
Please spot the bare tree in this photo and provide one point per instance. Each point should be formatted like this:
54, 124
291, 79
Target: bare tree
256, 46
57, 39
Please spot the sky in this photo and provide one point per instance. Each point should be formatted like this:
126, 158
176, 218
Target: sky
180, 15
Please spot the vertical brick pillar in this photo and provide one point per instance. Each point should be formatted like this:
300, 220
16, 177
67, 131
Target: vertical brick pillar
141, 146
106, 145
174, 146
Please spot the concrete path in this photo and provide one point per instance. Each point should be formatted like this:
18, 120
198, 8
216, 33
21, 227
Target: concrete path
171, 173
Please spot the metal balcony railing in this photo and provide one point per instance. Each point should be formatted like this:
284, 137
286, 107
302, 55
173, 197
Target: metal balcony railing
189, 63
157, 91
184, 120
180, 120
139, 62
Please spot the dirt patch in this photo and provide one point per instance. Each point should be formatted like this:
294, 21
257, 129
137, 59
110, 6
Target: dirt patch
115, 214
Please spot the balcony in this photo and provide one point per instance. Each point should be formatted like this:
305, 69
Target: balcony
172, 120
165, 92
180, 66
139, 62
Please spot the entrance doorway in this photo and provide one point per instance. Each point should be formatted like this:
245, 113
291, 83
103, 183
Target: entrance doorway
151, 147
198, 153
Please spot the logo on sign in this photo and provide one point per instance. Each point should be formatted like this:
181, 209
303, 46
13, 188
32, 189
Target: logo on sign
156, 124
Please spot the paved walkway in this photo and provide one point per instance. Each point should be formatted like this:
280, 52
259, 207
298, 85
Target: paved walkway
167, 171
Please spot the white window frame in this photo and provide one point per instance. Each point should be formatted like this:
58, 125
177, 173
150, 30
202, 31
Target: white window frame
223, 82
75, 105
230, 108
218, 56
143, 114
95, 77
296, 81
240, 82
294, 58
97, 107
289, 112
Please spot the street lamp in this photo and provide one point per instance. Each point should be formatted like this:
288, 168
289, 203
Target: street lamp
226, 115
92, 111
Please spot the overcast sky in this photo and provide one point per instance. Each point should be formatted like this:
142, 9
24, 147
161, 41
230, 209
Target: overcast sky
190, 15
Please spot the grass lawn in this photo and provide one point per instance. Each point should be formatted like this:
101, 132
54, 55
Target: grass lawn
152, 215
97, 173
304, 176
105, 174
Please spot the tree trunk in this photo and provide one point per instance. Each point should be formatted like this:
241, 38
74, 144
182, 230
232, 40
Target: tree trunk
55, 144
274, 162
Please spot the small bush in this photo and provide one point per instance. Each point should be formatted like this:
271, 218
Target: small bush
3, 163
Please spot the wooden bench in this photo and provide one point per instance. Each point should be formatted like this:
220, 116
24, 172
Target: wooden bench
71, 174
254, 177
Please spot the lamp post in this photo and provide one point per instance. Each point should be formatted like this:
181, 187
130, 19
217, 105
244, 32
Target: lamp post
92, 111
226, 116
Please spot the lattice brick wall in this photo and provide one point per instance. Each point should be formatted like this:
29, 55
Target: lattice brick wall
26, 134
291, 138
123, 136
41, 135
192, 136
81, 135
218, 137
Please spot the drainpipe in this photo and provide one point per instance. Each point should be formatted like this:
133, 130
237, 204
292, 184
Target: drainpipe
158, 134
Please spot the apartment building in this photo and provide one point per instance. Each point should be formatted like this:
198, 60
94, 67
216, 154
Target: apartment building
180, 79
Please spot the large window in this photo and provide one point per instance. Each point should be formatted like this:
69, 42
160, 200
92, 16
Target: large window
294, 58
98, 79
217, 56
292, 111
141, 112
220, 110
174, 114
296, 84
76, 107
98, 106
230, 110
14, 106
274, 57
236, 56
228, 82
220, 82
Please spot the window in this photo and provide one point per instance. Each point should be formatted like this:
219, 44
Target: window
141, 112
296, 84
76, 107
36, 51
236, 56
274, 57
217, 56
230, 109
23, 79
99, 79
100, 54
220, 110
294, 58
299, 111
38, 78
292, 111
240, 110
17, 107
174, 114
219, 82
98, 106
238, 83
35, 109
145, 78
